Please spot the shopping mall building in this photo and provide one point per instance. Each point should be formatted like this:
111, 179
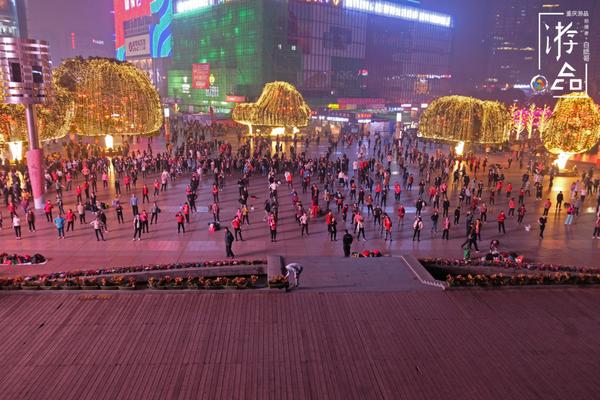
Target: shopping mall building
345, 53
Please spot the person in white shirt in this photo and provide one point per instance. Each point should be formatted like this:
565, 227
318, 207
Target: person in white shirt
16, 221
294, 269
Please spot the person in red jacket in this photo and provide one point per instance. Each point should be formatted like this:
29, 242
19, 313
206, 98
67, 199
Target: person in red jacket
387, 225
48, 211
70, 217
180, 222
237, 228
145, 192
501, 218
186, 212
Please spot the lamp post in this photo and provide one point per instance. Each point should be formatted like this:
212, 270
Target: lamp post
26, 65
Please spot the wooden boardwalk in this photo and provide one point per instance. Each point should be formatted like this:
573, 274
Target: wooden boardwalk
494, 344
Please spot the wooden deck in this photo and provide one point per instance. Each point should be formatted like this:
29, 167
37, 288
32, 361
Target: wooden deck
495, 344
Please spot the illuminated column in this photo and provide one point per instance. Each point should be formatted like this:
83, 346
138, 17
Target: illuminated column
167, 113
35, 159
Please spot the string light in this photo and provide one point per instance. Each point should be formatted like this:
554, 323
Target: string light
110, 97
465, 119
279, 105
574, 126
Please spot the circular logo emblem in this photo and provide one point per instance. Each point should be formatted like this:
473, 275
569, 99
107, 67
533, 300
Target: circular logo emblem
539, 83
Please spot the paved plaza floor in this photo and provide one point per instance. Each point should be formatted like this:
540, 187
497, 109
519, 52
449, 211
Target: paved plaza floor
403, 344
563, 244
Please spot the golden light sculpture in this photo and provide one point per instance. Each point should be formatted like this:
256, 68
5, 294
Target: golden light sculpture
111, 97
279, 105
54, 118
573, 128
465, 119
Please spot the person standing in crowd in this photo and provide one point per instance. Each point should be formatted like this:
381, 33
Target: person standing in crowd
119, 211
272, 227
16, 223
542, 222
501, 218
417, 228
70, 217
446, 228
134, 204
48, 211
347, 243
154, 211
59, 222
303, 223
81, 213
597, 227
97, 225
236, 224
180, 222
137, 227
228, 243
30, 218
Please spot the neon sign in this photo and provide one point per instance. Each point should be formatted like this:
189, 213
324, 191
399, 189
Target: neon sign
399, 11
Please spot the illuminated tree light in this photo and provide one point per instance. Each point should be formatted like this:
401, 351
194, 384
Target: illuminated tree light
112, 97
465, 119
574, 126
279, 105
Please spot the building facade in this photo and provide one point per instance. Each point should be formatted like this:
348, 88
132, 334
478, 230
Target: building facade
143, 36
329, 49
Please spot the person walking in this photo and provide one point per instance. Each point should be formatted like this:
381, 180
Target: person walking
137, 227
560, 197
521, 213
347, 243
228, 243
417, 227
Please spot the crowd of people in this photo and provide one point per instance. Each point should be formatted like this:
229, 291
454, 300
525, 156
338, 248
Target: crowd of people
356, 183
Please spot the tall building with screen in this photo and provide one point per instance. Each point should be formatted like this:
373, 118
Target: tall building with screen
13, 21
143, 36
329, 49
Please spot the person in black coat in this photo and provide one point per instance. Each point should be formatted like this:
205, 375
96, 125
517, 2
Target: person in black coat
347, 241
228, 242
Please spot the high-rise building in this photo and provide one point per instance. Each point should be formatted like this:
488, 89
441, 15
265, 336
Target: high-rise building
329, 49
13, 21
143, 36
512, 42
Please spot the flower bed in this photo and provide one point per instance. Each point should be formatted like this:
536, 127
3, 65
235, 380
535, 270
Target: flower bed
529, 266
26, 259
129, 283
496, 280
147, 268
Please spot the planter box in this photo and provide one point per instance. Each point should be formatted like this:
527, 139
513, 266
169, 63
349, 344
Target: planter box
279, 285
71, 287
109, 288
127, 287
30, 287
90, 287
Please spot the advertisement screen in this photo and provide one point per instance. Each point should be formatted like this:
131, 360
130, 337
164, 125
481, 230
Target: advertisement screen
201, 76
126, 10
